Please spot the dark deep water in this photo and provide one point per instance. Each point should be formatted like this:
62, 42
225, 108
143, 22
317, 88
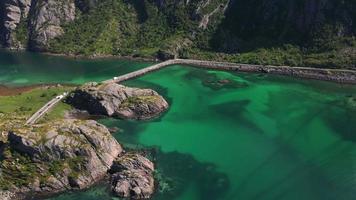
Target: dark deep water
251, 137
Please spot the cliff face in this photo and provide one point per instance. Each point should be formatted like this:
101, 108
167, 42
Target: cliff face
46, 19
33, 22
43, 20
13, 12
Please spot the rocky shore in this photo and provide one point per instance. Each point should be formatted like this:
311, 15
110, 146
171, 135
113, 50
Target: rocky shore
73, 154
54, 157
132, 176
334, 75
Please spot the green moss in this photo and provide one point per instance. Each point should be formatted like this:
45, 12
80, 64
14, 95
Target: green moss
132, 101
57, 112
56, 167
17, 170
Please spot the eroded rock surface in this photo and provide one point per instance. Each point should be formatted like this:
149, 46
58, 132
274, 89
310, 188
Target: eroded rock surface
50, 158
14, 11
46, 21
132, 177
118, 101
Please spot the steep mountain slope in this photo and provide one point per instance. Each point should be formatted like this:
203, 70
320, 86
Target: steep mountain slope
294, 32
289, 20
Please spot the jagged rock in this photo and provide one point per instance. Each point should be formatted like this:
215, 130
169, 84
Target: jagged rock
46, 20
13, 12
119, 101
67, 154
7, 195
132, 177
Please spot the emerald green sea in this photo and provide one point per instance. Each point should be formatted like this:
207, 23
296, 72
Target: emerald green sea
228, 136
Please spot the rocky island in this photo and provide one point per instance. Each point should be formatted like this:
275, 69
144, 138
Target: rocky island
116, 100
71, 154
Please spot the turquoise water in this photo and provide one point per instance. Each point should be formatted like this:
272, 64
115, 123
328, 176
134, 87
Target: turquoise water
230, 135
18, 69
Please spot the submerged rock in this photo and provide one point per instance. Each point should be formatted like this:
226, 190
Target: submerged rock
119, 101
351, 102
54, 157
132, 177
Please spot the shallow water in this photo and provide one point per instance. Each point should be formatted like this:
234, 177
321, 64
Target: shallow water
227, 135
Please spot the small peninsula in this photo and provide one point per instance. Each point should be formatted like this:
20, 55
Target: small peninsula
60, 154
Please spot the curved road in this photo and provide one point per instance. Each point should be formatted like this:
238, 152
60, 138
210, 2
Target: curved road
336, 75
47, 107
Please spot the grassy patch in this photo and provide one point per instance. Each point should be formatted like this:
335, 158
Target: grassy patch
132, 101
25, 104
57, 112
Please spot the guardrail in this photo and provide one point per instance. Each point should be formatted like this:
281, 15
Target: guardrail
47, 107
335, 75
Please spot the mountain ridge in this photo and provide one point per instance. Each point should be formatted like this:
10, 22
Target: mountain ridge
317, 33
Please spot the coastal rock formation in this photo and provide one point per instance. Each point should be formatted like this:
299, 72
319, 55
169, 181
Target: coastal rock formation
132, 177
46, 20
116, 100
34, 22
13, 11
61, 155
7, 195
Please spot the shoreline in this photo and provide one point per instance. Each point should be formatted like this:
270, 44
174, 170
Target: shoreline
133, 58
16, 90
342, 76
332, 75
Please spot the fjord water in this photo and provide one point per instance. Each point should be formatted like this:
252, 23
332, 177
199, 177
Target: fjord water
226, 135
18, 69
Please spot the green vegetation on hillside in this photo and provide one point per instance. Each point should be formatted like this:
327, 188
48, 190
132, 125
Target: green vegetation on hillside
250, 32
21, 32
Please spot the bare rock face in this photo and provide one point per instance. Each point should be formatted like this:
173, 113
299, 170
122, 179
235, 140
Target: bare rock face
46, 20
118, 101
14, 11
132, 177
67, 154
6, 195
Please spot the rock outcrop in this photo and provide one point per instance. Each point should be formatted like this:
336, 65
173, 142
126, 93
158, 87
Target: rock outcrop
132, 177
118, 101
46, 20
34, 21
13, 12
51, 158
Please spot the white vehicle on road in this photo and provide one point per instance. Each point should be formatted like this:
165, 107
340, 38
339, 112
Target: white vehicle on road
115, 78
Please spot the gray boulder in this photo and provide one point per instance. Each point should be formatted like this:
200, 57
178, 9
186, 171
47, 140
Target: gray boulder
132, 177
